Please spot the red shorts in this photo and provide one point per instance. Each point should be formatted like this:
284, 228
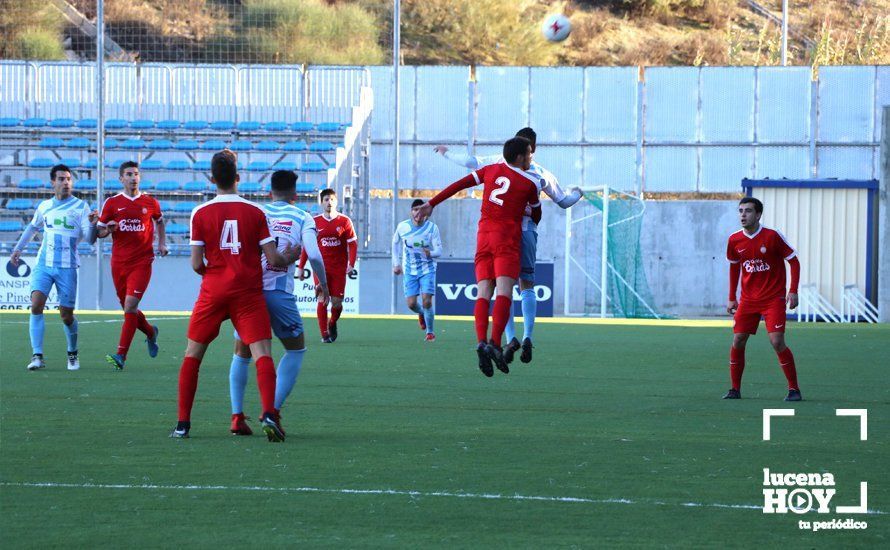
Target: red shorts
336, 282
497, 255
747, 317
247, 311
130, 279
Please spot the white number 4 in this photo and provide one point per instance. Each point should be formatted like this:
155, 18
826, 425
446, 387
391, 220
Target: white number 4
504, 184
229, 239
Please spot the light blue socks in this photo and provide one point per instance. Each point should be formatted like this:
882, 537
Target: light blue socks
237, 382
529, 311
428, 317
70, 335
288, 370
35, 330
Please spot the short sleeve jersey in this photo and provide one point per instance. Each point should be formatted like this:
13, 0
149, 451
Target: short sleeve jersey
64, 223
134, 238
231, 230
289, 226
762, 257
506, 192
333, 237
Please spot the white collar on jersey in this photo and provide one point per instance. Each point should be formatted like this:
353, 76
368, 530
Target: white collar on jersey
139, 194
332, 218
751, 236
229, 198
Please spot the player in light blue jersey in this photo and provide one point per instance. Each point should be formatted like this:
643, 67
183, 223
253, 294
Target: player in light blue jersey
415, 247
292, 228
65, 220
550, 186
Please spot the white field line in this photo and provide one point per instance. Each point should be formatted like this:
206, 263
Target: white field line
103, 321
445, 494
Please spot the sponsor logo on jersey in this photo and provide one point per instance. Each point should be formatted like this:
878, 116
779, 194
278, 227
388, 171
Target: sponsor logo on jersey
330, 241
763, 250
282, 226
145, 210
59, 222
755, 265
130, 225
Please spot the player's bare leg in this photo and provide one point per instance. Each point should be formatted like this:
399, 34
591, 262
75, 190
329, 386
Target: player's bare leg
501, 312
786, 362
261, 352
336, 310
188, 385
736, 364
69, 323
411, 302
36, 327
485, 291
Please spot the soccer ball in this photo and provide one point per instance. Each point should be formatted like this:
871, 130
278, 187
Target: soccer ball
556, 27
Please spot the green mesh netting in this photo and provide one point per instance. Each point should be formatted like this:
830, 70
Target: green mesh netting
628, 290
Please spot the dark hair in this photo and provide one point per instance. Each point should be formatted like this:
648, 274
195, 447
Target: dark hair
224, 169
514, 148
58, 168
417, 202
758, 206
530, 135
325, 192
127, 164
284, 181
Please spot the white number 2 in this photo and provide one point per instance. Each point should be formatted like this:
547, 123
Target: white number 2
229, 238
504, 184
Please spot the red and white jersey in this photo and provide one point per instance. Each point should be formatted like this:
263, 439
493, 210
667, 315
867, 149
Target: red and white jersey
133, 241
762, 257
334, 236
231, 230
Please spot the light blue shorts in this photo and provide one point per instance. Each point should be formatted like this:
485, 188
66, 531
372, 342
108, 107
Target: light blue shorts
529, 254
65, 278
416, 284
283, 312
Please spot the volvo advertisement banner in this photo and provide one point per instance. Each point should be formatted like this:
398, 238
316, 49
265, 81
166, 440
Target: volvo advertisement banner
456, 290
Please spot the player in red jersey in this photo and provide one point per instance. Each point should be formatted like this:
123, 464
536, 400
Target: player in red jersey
130, 218
758, 254
339, 246
230, 233
507, 190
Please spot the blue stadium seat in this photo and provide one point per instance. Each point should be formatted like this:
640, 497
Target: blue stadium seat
113, 185
71, 162
178, 164
321, 146
195, 125
213, 145
174, 228
313, 167
268, 145
133, 143
184, 206
165, 205
91, 164
329, 127
9, 122
222, 125
61, 123
295, 146
151, 164
10, 225
32, 184
194, 186
87, 123
51, 142
111, 143
248, 126
201, 165
305, 188
160, 144
146, 185
115, 124
115, 163
285, 165
85, 185
249, 187
275, 126
302, 126
78, 143
142, 124
167, 186
41, 162
19, 204
241, 145
34, 122
169, 124
259, 166
186, 145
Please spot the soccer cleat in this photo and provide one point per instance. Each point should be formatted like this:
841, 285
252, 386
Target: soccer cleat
793, 395
37, 362
430, 337
496, 354
73, 362
733, 394
181, 431
526, 355
326, 340
116, 361
272, 428
484, 362
421, 321
277, 413
153, 343
239, 425
332, 332
511, 349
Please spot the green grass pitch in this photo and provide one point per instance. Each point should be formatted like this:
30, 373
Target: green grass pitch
394, 442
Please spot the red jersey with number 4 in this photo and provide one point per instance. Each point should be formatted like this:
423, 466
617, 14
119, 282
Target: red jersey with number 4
133, 241
334, 236
762, 257
232, 230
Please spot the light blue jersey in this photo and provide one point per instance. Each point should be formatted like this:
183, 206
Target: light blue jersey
408, 243
64, 223
290, 227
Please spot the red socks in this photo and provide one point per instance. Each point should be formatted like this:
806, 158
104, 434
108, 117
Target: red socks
736, 366
265, 381
786, 361
188, 385
144, 325
335, 313
480, 312
499, 318
321, 310
131, 321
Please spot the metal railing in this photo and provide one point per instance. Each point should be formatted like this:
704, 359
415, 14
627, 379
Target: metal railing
855, 306
814, 307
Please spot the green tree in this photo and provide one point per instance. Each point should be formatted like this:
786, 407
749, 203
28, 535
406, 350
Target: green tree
30, 29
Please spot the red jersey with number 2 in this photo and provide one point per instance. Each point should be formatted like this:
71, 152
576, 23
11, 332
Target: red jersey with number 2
763, 257
232, 230
505, 194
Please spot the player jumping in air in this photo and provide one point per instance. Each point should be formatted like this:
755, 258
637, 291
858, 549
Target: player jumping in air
550, 186
291, 228
508, 189
415, 246
65, 220
230, 233
130, 218
758, 254
339, 246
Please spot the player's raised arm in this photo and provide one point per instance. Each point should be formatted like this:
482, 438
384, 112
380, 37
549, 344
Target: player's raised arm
468, 161
470, 180
550, 186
